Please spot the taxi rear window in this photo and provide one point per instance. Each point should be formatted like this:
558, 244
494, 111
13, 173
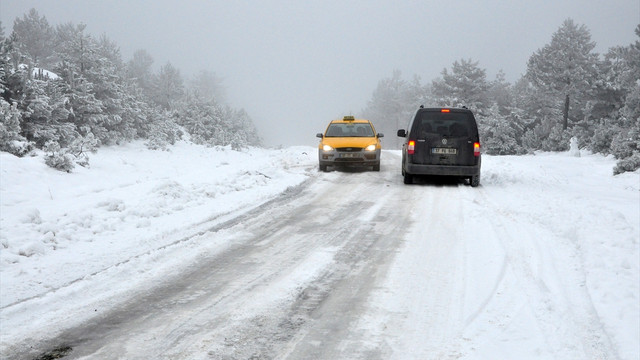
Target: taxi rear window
349, 130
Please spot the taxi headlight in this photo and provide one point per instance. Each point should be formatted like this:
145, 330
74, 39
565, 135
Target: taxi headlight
371, 147
327, 148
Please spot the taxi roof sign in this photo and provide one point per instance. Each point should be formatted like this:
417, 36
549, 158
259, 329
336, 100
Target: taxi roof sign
348, 118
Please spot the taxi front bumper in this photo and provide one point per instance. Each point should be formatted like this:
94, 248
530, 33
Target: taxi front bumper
348, 158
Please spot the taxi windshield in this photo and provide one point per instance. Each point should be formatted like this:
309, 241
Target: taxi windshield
349, 130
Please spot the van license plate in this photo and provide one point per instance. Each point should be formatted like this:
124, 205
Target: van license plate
444, 151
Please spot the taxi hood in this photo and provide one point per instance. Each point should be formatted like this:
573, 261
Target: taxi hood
340, 142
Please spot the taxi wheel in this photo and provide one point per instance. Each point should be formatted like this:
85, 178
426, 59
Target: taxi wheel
376, 167
323, 168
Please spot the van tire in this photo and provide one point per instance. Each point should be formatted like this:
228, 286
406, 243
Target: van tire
474, 181
408, 178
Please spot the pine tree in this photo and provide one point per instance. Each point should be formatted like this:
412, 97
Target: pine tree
97, 99
208, 86
168, 87
107, 76
4, 64
10, 138
466, 85
501, 93
138, 70
566, 67
34, 38
626, 144
540, 113
37, 122
499, 133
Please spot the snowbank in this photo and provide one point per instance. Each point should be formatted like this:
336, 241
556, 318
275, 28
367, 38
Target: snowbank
58, 227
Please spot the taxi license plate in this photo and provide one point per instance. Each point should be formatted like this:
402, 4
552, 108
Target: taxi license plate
444, 151
349, 155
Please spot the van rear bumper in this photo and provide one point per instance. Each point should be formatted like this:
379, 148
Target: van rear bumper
447, 170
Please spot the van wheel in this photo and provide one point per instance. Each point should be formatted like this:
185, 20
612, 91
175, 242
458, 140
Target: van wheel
408, 178
474, 181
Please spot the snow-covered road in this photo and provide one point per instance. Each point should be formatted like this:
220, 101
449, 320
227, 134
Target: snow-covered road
540, 262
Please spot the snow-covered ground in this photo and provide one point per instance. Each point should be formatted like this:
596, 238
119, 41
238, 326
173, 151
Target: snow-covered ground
72, 242
58, 227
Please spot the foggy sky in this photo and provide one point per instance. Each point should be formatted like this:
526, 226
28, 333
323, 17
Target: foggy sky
294, 65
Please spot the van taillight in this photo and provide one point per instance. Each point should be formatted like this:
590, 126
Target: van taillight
476, 149
411, 147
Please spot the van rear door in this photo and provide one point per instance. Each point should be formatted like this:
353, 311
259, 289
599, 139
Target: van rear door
444, 138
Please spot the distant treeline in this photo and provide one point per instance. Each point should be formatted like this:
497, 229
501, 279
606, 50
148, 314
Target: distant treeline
67, 92
567, 91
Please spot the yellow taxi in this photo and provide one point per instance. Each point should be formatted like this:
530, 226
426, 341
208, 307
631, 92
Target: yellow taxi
349, 142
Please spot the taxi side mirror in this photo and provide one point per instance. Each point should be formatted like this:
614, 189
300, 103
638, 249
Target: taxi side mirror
402, 133
380, 135
319, 135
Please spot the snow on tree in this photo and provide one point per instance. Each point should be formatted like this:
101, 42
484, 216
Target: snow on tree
208, 86
466, 85
615, 109
10, 139
500, 92
44, 113
168, 87
163, 130
95, 98
5, 63
34, 38
138, 69
499, 133
107, 76
566, 67
57, 157
243, 131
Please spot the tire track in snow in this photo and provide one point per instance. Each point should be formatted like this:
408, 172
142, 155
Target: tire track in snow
570, 324
418, 310
286, 265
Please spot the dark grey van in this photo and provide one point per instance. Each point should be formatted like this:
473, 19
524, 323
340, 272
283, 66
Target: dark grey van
441, 141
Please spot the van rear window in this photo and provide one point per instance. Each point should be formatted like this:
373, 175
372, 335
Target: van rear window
445, 124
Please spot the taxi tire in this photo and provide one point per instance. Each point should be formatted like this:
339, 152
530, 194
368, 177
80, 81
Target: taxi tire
376, 167
323, 168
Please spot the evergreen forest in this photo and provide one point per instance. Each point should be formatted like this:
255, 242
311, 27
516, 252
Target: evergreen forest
67, 93
568, 91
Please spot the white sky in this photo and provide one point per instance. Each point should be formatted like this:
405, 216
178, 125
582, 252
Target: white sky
294, 65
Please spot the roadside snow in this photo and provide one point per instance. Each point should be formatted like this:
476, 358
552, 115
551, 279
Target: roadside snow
543, 226
59, 227
550, 267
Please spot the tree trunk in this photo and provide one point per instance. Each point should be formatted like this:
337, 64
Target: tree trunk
565, 113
